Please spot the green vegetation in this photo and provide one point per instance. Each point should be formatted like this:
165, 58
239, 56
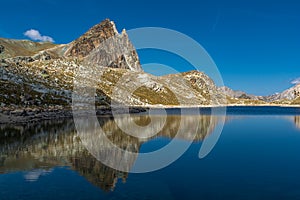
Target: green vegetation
296, 101
244, 101
150, 96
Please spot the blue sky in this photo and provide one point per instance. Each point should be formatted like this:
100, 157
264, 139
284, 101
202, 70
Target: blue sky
255, 44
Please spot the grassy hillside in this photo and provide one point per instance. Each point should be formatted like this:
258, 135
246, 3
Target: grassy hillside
13, 48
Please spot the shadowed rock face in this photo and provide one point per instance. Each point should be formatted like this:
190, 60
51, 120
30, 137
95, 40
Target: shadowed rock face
82, 46
97, 35
2, 48
49, 144
115, 51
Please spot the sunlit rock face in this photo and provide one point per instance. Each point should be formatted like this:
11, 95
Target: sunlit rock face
82, 46
37, 148
94, 38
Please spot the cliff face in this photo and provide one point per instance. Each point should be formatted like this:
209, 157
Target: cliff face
93, 38
82, 46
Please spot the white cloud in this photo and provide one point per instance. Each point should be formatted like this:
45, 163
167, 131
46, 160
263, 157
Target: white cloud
295, 81
35, 35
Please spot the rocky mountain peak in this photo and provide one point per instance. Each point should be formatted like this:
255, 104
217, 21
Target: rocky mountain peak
124, 32
90, 40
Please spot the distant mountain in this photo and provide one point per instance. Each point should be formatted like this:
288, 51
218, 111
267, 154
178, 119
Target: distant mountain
239, 94
13, 48
290, 94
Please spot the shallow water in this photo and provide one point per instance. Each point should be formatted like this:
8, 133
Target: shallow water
256, 157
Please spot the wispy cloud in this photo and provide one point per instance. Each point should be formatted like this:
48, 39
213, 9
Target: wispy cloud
296, 81
35, 35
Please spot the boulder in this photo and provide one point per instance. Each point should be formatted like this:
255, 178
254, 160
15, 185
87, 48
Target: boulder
1, 48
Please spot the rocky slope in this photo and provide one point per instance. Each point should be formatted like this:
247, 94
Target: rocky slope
290, 94
42, 74
238, 94
21, 48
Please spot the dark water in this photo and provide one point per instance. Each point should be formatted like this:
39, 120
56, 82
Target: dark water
257, 157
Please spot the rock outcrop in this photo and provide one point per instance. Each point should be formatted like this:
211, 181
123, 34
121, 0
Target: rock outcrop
98, 34
90, 40
2, 48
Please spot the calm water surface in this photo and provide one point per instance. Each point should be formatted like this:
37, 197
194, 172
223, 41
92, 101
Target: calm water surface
256, 157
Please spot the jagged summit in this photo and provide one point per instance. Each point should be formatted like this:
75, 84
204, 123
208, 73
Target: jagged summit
20, 51
102, 45
92, 39
82, 46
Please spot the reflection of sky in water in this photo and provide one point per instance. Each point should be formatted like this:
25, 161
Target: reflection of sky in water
254, 157
257, 156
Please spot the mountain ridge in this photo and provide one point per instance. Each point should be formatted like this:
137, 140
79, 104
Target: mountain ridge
40, 75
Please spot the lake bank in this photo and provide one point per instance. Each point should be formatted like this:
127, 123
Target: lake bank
28, 115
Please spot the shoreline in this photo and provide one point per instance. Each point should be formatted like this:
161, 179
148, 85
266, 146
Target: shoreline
218, 106
32, 115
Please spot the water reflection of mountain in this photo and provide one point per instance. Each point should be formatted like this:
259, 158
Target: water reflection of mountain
55, 143
297, 121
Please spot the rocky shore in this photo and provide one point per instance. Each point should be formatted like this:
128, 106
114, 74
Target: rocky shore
31, 115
